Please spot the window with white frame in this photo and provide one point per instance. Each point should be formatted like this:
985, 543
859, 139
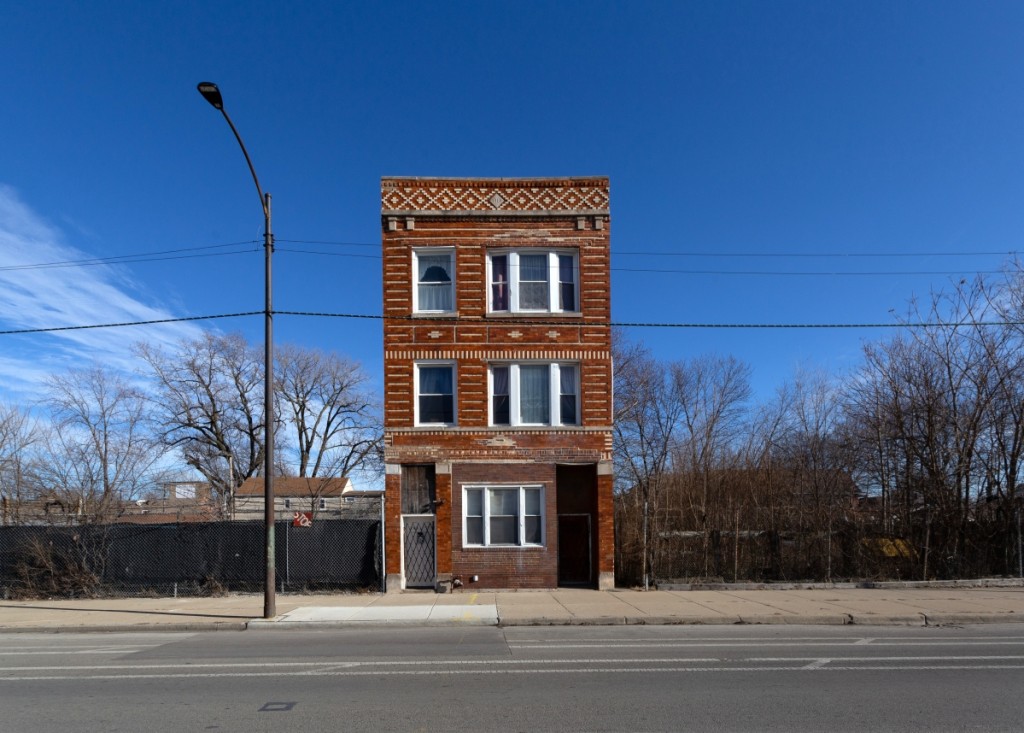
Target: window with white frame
503, 516
535, 394
435, 394
532, 281
434, 271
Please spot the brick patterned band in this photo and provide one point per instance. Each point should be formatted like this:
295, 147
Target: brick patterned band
570, 195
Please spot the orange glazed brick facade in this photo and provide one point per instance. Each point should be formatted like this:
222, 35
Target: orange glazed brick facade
498, 383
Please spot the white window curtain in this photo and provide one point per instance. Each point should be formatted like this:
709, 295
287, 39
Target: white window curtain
534, 394
434, 282
533, 282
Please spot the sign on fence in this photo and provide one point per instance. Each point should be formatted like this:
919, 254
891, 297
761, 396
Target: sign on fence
302, 519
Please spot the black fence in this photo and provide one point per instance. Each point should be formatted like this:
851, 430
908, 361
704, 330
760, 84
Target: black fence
199, 558
756, 550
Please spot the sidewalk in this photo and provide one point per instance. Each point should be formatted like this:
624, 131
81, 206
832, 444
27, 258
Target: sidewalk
904, 606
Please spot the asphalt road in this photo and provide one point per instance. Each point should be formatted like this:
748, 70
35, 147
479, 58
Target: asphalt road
623, 678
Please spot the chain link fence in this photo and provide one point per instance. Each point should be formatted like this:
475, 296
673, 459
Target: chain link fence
189, 558
751, 548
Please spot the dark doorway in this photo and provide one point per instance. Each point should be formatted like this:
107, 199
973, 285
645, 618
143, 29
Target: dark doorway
577, 499
574, 549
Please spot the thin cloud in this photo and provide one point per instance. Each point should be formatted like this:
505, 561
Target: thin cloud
56, 297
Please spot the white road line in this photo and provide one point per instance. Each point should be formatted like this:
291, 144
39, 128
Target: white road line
66, 652
883, 659
817, 664
392, 663
539, 670
757, 639
676, 644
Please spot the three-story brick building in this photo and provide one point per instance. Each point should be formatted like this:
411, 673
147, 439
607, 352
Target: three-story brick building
498, 374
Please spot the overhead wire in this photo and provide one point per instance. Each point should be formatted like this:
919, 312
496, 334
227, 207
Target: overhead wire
177, 254
133, 258
545, 322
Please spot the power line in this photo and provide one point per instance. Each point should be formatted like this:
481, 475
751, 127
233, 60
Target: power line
329, 242
747, 255
171, 254
639, 324
778, 273
325, 254
444, 319
129, 323
131, 258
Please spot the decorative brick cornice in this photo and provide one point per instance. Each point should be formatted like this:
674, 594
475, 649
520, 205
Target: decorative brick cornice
522, 196
497, 354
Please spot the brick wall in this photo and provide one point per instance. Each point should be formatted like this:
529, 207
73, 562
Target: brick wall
505, 567
471, 218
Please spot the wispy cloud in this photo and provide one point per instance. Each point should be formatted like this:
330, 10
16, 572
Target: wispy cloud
60, 297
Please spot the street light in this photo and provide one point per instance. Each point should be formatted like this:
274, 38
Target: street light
212, 95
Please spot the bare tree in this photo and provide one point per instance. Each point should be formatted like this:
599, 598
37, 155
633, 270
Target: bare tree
713, 392
100, 450
18, 434
209, 405
332, 417
646, 417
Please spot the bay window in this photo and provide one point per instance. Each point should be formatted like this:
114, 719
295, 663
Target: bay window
532, 280
503, 515
534, 394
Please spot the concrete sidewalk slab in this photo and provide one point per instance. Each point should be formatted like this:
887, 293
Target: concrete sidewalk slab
437, 614
915, 605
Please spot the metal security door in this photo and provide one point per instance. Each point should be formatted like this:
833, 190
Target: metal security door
418, 544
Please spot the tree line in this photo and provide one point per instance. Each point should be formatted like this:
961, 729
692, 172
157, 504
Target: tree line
907, 467
98, 439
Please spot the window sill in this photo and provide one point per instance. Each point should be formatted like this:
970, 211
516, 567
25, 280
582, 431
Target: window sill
534, 314
533, 427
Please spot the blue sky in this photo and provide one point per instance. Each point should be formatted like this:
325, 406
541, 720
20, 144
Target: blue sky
740, 137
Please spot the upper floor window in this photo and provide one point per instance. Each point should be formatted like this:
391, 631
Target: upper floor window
535, 394
533, 281
435, 394
434, 270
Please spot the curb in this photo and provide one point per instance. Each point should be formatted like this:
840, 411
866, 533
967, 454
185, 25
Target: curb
137, 629
265, 625
669, 585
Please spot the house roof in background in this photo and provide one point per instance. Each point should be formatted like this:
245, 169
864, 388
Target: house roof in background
291, 486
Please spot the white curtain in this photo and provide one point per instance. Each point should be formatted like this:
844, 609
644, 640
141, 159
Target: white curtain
534, 394
533, 282
435, 282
